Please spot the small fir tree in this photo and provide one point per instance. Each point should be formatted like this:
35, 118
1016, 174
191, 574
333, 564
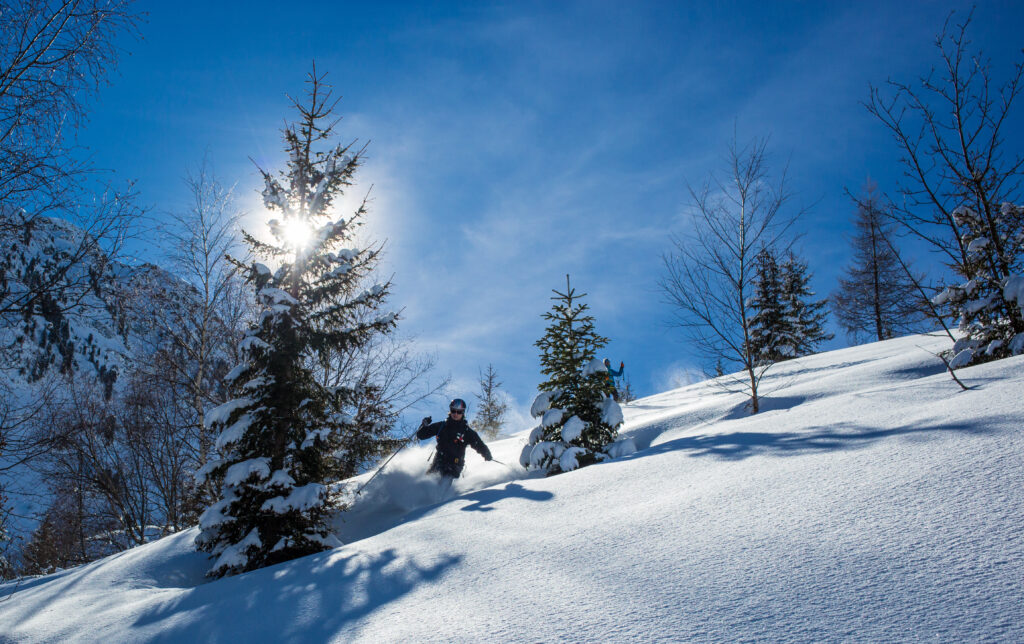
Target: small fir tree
491, 414
284, 435
579, 417
989, 306
769, 323
804, 329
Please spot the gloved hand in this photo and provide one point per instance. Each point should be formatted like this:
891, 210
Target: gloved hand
426, 421
621, 365
488, 457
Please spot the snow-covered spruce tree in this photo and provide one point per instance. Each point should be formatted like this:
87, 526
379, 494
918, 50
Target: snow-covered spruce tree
805, 317
284, 435
876, 298
491, 412
989, 306
579, 418
786, 322
769, 323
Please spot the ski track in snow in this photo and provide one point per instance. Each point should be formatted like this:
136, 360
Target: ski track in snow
869, 501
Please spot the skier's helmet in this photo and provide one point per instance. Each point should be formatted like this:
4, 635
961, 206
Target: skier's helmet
607, 362
458, 405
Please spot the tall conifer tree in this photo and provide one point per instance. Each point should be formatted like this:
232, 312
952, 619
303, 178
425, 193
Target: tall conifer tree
284, 435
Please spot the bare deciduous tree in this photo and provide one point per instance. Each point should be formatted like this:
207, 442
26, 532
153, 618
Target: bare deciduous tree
96, 447
54, 55
950, 127
491, 415
402, 376
709, 276
200, 336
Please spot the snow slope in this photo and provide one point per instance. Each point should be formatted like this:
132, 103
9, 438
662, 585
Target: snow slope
871, 501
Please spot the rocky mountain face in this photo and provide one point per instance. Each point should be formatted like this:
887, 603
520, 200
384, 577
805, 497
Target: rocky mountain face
69, 315
66, 308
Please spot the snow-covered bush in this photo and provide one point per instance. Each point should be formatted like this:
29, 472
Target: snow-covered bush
988, 304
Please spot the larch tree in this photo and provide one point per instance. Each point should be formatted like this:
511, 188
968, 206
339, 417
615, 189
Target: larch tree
876, 299
491, 414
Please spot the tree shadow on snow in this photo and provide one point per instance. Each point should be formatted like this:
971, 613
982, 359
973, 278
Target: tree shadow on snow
306, 600
483, 500
787, 368
914, 372
765, 404
841, 436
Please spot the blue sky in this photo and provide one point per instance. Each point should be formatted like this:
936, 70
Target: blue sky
512, 143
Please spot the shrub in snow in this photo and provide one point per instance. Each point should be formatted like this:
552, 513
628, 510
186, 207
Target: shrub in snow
578, 417
286, 434
988, 304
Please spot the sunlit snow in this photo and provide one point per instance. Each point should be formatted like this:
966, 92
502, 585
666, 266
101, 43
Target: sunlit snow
870, 500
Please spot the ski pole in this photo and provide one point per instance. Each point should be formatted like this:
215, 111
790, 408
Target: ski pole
381, 468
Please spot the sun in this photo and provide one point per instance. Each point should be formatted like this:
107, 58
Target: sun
296, 232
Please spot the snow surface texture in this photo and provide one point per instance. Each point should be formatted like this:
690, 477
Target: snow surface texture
869, 501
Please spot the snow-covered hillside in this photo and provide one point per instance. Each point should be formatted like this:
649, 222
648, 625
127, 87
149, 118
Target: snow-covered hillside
871, 501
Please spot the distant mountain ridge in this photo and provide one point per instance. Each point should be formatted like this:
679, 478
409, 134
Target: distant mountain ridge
66, 307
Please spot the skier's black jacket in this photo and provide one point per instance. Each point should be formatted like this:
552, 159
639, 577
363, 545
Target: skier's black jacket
452, 438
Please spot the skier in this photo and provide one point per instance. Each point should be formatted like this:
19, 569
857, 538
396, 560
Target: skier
612, 375
453, 435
